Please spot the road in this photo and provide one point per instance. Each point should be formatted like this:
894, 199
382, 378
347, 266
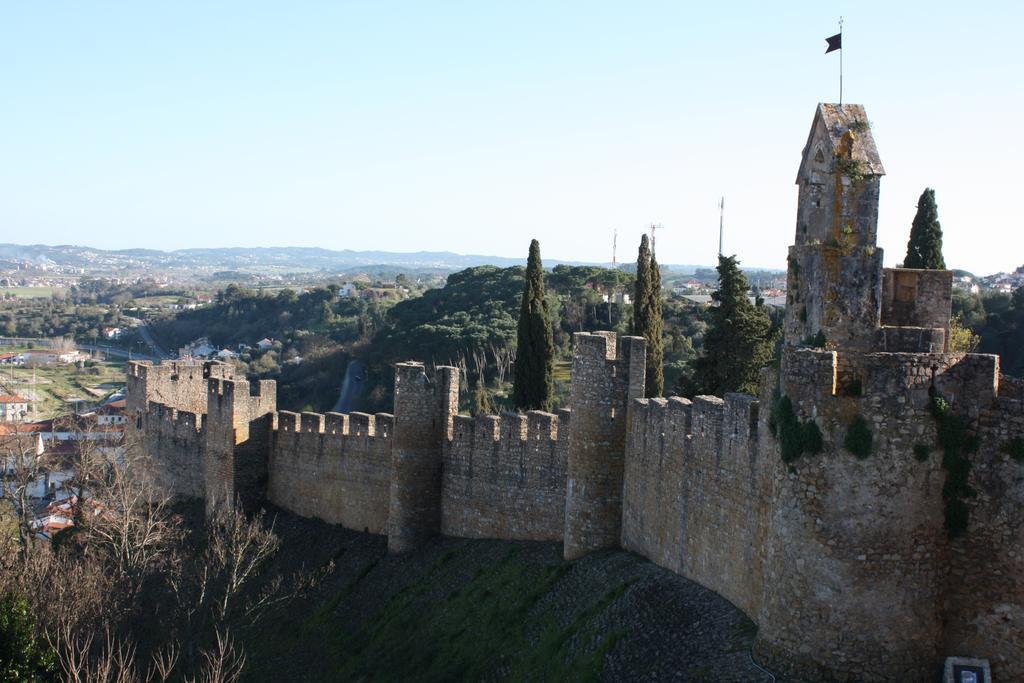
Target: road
147, 336
350, 386
157, 354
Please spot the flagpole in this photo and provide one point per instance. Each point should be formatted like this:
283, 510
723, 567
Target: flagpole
840, 62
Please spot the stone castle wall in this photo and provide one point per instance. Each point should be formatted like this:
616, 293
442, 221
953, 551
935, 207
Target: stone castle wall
333, 467
863, 541
696, 495
917, 298
504, 477
985, 593
238, 435
844, 563
607, 373
176, 441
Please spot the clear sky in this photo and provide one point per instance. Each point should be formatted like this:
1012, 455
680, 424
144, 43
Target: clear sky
475, 126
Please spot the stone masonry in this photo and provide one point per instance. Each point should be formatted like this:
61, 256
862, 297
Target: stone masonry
844, 562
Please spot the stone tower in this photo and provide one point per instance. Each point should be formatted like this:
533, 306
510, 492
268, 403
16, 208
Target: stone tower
606, 377
834, 280
424, 410
238, 431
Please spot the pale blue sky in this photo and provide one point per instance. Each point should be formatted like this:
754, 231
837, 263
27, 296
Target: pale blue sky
476, 126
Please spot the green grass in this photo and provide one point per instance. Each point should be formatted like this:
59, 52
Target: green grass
31, 292
157, 300
482, 621
54, 385
562, 371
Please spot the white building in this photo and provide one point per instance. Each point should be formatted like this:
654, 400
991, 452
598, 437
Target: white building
13, 408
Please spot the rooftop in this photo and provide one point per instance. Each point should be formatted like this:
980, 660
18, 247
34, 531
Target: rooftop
837, 120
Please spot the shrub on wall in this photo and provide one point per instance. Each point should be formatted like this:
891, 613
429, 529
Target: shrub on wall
859, 438
816, 341
795, 437
957, 443
1015, 449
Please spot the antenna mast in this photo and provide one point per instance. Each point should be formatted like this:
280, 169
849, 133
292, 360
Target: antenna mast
615, 244
721, 223
654, 226
840, 62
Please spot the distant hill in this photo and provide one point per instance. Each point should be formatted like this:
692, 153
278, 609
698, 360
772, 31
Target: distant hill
255, 258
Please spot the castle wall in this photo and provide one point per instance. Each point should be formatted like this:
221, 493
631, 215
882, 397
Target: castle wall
174, 441
695, 497
237, 444
607, 373
985, 594
424, 409
176, 384
333, 467
835, 290
858, 561
504, 477
917, 298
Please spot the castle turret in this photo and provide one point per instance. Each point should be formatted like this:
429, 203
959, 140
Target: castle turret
606, 377
835, 267
237, 441
423, 416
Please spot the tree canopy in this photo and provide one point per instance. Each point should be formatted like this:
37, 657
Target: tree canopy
924, 249
647, 320
534, 366
738, 342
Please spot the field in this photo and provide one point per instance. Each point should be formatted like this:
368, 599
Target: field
31, 292
54, 389
161, 300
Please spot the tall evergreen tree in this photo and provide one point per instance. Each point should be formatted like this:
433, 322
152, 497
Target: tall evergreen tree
737, 343
647, 320
534, 367
924, 249
642, 288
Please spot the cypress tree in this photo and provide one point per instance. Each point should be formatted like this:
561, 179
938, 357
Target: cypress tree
647, 321
641, 291
534, 367
737, 343
924, 249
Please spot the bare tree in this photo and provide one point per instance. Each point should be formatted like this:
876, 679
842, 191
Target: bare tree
480, 365
223, 663
62, 345
24, 465
504, 357
130, 522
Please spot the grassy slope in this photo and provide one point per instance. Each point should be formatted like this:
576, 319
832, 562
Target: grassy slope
490, 610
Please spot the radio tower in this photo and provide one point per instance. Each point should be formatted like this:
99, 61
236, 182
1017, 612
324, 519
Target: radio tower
654, 226
721, 220
615, 244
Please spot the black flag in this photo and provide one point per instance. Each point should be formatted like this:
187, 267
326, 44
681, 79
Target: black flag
835, 43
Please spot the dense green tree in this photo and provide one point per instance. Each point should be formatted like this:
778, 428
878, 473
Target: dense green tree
534, 367
738, 342
647, 320
924, 249
23, 655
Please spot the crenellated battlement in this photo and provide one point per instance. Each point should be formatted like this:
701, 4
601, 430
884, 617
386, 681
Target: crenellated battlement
355, 424
503, 476
811, 377
535, 425
179, 384
174, 418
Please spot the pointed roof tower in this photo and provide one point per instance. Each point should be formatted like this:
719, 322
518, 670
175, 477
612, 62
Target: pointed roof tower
839, 130
835, 267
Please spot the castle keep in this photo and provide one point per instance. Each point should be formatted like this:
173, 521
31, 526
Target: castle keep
897, 541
